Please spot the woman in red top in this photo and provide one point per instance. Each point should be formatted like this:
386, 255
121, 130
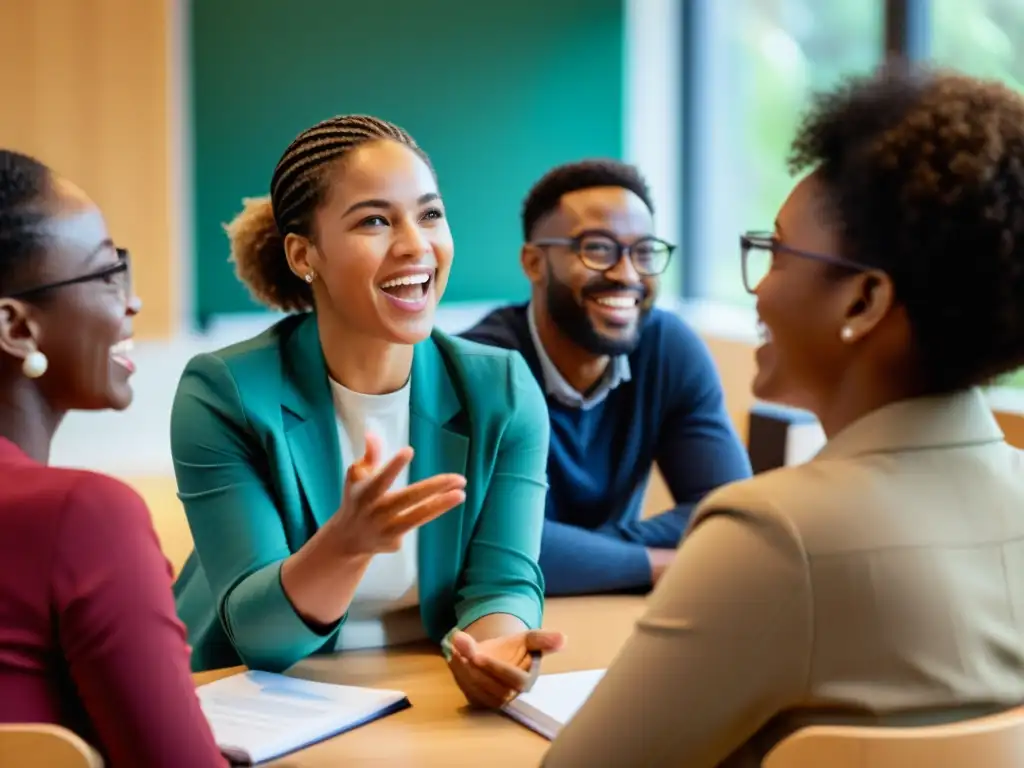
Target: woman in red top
88, 634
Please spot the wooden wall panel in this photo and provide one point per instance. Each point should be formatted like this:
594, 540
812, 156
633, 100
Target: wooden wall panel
735, 361
85, 87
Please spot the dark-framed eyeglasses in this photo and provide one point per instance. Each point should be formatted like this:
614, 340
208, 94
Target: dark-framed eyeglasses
600, 251
119, 274
758, 248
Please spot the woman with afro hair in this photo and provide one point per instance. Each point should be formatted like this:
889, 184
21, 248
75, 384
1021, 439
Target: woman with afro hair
881, 583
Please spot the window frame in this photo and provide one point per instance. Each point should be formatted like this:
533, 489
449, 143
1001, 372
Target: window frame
907, 36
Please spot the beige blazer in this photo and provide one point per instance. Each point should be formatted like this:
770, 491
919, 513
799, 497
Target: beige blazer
880, 583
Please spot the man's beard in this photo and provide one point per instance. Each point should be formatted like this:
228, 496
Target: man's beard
575, 324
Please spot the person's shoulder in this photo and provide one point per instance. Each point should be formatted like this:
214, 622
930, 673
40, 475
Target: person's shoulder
247, 376
763, 504
491, 379
505, 327
668, 335
672, 357
70, 483
812, 501
477, 363
477, 352
99, 489
255, 354
42, 488
763, 494
96, 500
104, 527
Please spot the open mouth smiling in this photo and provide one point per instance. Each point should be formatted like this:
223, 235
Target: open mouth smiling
409, 289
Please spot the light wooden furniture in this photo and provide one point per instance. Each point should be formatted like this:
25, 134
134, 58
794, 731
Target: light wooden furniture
993, 742
161, 496
439, 730
44, 746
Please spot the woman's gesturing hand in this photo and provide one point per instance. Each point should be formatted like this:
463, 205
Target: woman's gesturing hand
492, 672
372, 518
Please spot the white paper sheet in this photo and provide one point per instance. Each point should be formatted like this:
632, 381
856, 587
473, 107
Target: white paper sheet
554, 700
257, 716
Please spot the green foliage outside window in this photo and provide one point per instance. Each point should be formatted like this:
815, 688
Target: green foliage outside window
783, 50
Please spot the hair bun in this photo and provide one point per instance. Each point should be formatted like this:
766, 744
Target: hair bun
257, 250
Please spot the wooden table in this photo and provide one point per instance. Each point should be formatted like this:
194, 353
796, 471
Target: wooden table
439, 729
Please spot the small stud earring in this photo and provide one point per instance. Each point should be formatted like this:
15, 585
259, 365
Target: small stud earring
34, 365
310, 276
846, 334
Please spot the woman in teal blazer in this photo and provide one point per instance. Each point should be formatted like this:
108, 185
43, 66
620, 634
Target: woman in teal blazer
285, 537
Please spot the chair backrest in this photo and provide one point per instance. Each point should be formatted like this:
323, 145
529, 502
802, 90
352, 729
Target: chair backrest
169, 521
30, 745
994, 742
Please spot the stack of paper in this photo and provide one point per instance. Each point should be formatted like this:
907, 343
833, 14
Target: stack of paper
553, 701
259, 716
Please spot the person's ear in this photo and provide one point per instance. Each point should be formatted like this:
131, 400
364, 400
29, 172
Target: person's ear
867, 299
302, 255
19, 332
532, 260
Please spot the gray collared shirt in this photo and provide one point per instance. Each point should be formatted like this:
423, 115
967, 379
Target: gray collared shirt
555, 384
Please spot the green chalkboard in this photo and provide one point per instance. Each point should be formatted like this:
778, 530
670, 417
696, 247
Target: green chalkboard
496, 91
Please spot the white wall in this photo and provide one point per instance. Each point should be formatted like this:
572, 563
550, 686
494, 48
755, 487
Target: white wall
136, 442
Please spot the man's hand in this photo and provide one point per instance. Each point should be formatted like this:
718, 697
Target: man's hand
660, 560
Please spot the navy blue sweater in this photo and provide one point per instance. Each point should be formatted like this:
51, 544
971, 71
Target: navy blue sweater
670, 412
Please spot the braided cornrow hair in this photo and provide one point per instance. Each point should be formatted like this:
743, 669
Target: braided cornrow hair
296, 189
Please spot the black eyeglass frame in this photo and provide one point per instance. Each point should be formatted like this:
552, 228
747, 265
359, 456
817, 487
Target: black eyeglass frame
123, 265
767, 241
575, 245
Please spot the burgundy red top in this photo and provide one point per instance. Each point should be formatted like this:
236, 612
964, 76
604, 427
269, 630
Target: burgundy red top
89, 638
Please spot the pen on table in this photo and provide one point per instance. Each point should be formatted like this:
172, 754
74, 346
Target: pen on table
534, 670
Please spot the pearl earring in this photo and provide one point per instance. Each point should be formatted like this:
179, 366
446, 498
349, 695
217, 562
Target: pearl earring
310, 276
846, 334
34, 365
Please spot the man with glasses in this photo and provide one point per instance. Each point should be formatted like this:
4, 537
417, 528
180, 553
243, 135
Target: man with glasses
627, 385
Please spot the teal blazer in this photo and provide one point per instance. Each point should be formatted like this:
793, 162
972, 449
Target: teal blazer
258, 465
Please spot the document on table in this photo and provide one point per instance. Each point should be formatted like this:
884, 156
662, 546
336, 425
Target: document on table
553, 701
259, 716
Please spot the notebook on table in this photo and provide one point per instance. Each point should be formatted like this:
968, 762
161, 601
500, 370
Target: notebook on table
553, 701
260, 716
